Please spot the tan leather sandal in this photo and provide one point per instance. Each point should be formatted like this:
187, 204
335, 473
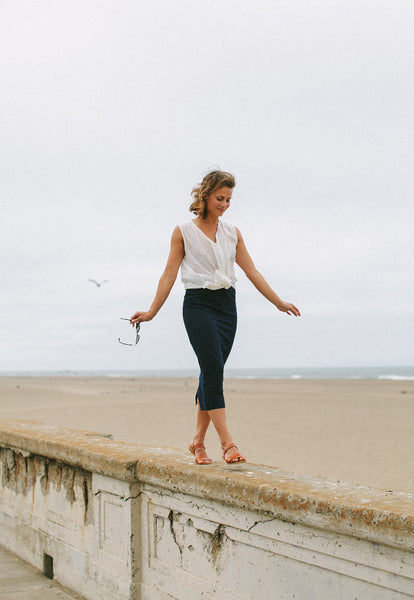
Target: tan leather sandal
202, 460
234, 459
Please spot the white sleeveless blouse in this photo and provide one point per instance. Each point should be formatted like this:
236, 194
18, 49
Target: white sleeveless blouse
208, 264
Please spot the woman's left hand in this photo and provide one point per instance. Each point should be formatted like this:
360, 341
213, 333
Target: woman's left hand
289, 308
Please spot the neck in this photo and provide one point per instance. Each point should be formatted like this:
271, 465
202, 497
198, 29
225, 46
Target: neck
210, 221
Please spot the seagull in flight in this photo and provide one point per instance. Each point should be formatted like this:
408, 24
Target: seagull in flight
98, 283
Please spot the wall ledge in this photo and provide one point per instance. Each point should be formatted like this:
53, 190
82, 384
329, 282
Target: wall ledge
365, 513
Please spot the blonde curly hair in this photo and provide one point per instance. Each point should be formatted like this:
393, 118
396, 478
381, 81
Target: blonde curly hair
211, 182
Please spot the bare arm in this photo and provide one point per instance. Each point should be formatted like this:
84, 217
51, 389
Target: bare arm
243, 259
167, 279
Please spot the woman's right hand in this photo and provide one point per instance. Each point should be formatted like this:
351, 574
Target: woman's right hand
139, 317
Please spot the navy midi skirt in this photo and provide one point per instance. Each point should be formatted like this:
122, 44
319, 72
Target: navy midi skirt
210, 318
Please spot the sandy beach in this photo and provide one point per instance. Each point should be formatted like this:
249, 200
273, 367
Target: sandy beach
356, 431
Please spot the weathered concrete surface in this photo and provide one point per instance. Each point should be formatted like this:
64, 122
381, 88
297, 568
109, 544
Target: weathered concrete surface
90, 451
21, 581
361, 511
126, 522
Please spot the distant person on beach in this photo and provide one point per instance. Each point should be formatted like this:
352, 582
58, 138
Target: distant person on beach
206, 249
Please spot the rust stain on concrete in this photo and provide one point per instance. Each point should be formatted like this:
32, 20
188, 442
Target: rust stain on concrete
20, 474
217, 541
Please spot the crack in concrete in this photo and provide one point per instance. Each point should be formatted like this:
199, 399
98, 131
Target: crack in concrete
124, 498
260, 522
171, 520
132, 497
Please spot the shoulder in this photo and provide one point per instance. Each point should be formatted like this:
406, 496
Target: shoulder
186, 232
185, 227
238, 233
177, 234
231, 230
228, 228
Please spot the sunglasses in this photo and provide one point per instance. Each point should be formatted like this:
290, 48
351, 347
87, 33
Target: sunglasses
137, 328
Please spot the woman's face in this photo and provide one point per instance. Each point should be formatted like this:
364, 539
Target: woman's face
219, 201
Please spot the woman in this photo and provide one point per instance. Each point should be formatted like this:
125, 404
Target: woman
206, 249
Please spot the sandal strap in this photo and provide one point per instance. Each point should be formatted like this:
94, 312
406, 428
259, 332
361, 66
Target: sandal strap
197, 446
227, 448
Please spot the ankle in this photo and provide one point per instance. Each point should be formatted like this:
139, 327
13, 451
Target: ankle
198, 439
226, 442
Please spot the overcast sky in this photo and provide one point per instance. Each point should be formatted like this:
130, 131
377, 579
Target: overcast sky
111, 111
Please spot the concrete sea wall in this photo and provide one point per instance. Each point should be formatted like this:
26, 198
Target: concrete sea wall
121, 521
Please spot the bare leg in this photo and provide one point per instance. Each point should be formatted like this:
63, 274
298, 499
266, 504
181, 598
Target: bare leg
218, 416
203, 421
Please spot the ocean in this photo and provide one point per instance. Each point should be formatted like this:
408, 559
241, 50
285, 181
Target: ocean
382, 373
